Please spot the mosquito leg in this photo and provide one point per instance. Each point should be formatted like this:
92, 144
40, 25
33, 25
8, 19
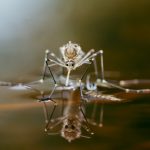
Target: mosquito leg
102, 65
87, 123
45, 66
51, 65
45, 109
95, 105
86, 128
95, 68
45, 112
94, 114
84, 58
80, 82
101, 115
117, 86
50, 72
62, 109
95, 64
56, 62
134, 82
91, 57
59, 121
102, 74
140, 91
50, 117
56, 58
48, 120
55, 84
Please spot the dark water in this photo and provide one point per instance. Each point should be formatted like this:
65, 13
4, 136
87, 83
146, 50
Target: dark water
120, 28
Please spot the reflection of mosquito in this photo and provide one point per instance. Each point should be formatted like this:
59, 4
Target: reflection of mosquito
72, 120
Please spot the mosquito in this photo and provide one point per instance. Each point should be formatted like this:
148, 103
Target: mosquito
72, 57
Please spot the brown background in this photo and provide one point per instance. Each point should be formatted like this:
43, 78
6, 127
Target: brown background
120, 27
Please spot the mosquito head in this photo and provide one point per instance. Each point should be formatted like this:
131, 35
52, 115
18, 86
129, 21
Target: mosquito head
71, 51
70, 64
71, 130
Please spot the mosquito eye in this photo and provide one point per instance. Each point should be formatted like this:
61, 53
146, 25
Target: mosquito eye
66, 126
72, 127
72, 65
66, 64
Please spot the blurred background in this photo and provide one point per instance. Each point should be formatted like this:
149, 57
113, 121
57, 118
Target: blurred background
120, 28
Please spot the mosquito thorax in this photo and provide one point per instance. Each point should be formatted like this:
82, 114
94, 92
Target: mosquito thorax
71, 52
